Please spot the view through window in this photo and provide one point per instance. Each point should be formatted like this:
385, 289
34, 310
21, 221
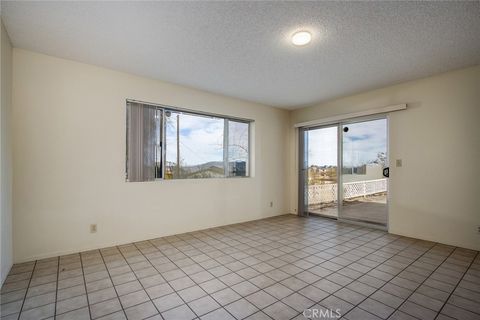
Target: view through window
190, 145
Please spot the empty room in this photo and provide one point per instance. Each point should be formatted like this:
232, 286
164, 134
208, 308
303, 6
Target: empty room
230, 160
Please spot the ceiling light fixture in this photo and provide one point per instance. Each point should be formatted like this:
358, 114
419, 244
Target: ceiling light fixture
301, 38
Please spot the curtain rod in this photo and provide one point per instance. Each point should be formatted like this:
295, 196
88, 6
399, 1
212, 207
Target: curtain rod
336, 119
184, 110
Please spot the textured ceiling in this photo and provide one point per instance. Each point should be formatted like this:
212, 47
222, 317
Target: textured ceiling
243, 49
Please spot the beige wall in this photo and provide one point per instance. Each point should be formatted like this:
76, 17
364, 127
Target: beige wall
6, 255
69, 147
69, 155
434, 195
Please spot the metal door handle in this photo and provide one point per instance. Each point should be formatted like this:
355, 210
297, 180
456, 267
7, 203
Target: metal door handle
386, 172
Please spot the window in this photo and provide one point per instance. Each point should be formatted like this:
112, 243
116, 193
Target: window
238, 143
167, 143
194, 147
144, 144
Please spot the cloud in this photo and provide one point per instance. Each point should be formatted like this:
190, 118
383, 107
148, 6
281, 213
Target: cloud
201, 139
361, 144
358, 137
322, 146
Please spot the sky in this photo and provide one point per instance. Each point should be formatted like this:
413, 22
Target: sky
361, 144
201, 138
201, 141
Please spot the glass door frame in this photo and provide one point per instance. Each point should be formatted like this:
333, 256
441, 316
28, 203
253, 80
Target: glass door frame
303, 172
303, 168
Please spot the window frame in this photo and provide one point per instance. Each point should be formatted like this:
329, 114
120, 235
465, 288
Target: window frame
164, 108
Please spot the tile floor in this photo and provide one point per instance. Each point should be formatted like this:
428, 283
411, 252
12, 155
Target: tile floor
269, 269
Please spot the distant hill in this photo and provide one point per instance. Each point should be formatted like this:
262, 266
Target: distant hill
212, 169
204, 166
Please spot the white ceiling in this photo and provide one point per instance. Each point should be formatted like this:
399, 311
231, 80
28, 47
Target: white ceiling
243, 49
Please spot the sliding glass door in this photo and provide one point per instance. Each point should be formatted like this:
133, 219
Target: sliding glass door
321, 171
352, 155
364, 171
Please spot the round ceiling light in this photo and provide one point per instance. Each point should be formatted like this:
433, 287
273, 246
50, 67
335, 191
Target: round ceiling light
301, 38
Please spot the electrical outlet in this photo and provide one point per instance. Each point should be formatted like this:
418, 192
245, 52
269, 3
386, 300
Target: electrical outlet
93, 228
271, 204
478, 229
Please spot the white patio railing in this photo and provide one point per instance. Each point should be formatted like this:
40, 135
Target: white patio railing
324, 193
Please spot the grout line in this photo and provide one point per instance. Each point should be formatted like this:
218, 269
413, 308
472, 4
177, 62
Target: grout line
382, 234
366, 273
113, 286
291, 275
138, 279
448, 298
167, 282
414, 290
432, 272
85, 285
26, 291
219, 240
56, 288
